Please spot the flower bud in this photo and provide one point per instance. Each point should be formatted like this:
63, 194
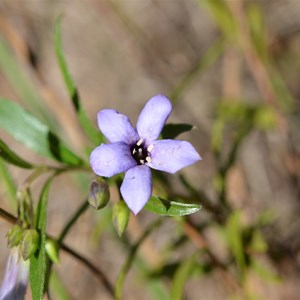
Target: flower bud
120, 217
99, 193
52, 250
14, 236
29, 243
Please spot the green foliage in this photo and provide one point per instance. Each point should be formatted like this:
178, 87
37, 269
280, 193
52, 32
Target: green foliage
24, 87
29, 243
93, 133
234, 235
14, 236
171, 131
12, 158
182, 274
132, 255
34, 134
120, 217
57, 289
222, 15
51, 247
245, 250
38, 262
8, 184
170, 208
99, 193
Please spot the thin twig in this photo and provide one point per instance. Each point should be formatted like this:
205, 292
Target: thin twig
200, 242
95, 270
8, 217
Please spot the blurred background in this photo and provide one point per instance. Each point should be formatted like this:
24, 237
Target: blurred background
232, 69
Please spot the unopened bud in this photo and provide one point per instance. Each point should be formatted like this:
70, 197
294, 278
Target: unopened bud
14, 236
52, 250
120, 217
29, 243
99, 193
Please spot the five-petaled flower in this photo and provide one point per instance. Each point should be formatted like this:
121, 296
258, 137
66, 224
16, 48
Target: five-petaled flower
135, 150
15, 277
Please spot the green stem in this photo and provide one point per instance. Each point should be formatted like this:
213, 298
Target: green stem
126, 267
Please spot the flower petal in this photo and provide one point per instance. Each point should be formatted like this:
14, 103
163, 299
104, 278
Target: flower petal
153, 118
116, 127
171, 156
110, 159
15, 277
136, 188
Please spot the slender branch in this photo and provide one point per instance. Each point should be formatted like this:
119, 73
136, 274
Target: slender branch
200, 242
99, 273
72, 221
8, 217
95, 270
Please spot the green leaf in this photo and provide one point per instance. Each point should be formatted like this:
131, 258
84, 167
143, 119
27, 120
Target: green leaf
38, 262
12, 157
264, 271
34, 134
234, 237
181, 275
170, 208
58, 290
8, 185
222, 15
91, 131
24, 87
171, 131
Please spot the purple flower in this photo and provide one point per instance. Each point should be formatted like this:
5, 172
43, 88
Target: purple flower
135, 150
15, 277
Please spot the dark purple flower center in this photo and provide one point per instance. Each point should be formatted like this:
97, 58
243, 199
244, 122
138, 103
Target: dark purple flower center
140, 153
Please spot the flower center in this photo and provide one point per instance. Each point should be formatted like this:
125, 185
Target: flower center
140, 153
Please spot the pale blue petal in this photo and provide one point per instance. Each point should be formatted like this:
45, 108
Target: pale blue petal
171, 156
15, 277
110, 159
116, 127
153, 118
136, 188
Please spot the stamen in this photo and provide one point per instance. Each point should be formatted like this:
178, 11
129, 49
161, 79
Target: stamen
139, 143
148, 159
134, 151
142, 161
150, 148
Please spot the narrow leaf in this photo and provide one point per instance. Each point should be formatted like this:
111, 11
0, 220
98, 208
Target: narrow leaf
95, 135
170, 208
7, 182
181, 276
34, 134
57, 288
12, 158
22, 84
171, 131
38, 262
234, 233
